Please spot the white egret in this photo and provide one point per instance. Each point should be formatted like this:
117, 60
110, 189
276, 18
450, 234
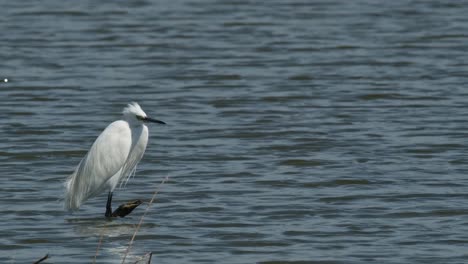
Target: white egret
112, 158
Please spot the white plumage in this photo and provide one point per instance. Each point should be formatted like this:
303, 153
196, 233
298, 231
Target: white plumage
112, 158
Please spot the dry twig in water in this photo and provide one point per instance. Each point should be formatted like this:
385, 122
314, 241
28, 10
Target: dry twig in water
143, 216
98, 246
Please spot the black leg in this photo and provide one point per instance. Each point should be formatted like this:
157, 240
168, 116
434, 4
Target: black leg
109, 205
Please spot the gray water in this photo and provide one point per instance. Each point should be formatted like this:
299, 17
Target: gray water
298, 131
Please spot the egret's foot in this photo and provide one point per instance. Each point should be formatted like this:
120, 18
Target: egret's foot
125, 209
108, 213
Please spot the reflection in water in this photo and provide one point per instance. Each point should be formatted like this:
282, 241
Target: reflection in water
112, 236
101, 226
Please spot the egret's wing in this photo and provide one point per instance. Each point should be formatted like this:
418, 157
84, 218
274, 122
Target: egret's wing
105, 158
135, 155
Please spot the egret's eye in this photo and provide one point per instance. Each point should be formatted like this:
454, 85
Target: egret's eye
140, 117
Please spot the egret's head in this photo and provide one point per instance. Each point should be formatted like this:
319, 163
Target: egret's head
134, 113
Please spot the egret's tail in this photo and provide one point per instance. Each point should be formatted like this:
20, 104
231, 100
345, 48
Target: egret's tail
88, 180
79, 187
77, 191
73, 199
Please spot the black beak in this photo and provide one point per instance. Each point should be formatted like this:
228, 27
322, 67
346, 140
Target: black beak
147, 119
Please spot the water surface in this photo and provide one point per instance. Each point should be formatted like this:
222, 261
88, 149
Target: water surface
298, 131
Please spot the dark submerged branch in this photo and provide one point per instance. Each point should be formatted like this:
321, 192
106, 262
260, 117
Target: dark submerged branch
42, 259
126, 208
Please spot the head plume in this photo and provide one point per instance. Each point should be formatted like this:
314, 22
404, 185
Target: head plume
133, 109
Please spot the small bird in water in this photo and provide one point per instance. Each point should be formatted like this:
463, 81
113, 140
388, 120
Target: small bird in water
113, 157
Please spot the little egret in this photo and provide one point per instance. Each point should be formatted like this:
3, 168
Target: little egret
113, 157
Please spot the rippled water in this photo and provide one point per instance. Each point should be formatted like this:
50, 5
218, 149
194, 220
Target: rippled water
299, 131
